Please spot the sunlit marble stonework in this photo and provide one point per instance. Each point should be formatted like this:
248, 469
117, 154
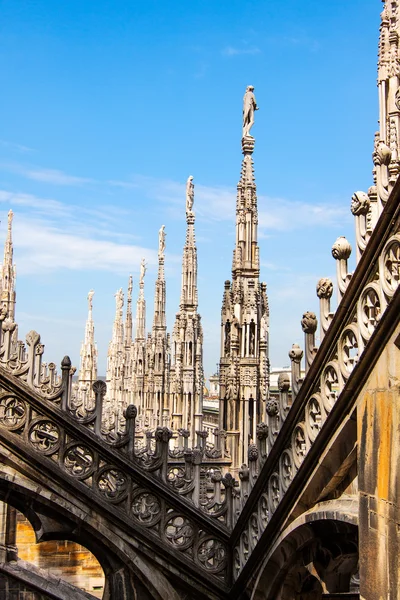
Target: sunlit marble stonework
295, 495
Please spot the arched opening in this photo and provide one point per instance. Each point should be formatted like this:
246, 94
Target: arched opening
317, 560
60, 558
127, 576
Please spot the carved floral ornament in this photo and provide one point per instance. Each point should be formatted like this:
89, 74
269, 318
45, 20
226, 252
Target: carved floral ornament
78, 460
348, 350
369, 310
12, 412
325, 288
331, 383
112, 483
389, 266
44, 436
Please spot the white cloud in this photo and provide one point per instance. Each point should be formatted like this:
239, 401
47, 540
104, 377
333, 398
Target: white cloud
14, 146
44, 205
232, 51
44, 247
218, 203
52, 176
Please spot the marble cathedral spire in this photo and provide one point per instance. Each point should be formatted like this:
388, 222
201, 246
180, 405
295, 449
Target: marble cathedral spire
159, 320
88, 363
187, 337
114, 401
8, 273
158, 345
139, 363
244, 365
128, 318
141, 305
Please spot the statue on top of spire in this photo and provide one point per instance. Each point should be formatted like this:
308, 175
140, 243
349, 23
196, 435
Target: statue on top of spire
161, 241
189, 194
143, 268
119, 299
249, 106
90, 299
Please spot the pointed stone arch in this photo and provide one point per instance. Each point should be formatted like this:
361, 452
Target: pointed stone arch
316, 554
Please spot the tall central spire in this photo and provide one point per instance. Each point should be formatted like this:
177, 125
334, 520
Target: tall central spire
244, 367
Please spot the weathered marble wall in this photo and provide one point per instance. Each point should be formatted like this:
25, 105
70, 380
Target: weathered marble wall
379, 478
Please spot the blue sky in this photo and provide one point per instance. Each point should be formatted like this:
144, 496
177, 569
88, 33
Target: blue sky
107, 107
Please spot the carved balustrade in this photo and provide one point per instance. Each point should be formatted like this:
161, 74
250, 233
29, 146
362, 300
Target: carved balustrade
181, 507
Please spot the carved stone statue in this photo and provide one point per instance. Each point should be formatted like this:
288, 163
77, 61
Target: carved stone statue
90, 299
143, 269
119, 299
249, 106
189, 194
161, 240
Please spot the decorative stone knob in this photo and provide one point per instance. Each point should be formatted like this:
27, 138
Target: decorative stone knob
262, 431
252, 453
341, 249
383, 154
163, 434
272, 408
360, 203
66, 362
309, 322
324, 288
296, 353
283, 382
100, 387
244, 473
185, 433
229, 481
130, 412
216, 477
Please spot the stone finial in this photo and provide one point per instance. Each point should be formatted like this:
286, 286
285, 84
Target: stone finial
66, 362
309, 322
296, 353
100, 387
130, 412
382, 154
283, 382
252, 453
325, 288
360, 203
341, 249
272, 407
262, 431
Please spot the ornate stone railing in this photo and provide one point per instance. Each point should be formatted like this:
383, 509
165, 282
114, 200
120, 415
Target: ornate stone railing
286, 439
184, 512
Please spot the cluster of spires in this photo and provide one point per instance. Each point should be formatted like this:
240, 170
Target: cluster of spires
162, 373
163, 379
